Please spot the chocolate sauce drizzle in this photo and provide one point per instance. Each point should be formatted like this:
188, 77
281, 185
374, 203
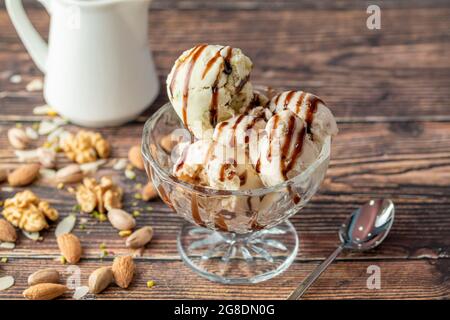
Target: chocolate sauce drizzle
190, 67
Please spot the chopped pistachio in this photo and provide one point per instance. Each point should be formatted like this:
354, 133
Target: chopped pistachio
76, 207
149, 208
82, 226
134, 203
130, 174
102, 246
19, 125
102, 217
150, 283
136, 213
4, 260
124, 233
62, 259
104, 253
138, 186
138, 196
60, 186
35, 126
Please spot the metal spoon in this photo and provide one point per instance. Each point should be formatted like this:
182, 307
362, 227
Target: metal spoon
365, 229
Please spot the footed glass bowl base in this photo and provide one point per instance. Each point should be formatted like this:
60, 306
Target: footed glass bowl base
238, 258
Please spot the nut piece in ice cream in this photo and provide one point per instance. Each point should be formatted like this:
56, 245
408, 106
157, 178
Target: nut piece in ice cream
104, 196
26, 211
286, 149
319, 119
85, 146
209, 84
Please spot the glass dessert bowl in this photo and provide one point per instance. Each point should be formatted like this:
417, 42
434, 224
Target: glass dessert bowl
234, 236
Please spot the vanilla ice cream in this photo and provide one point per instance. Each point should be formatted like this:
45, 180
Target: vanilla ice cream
245, 139
286, 150
319, 119
209, 84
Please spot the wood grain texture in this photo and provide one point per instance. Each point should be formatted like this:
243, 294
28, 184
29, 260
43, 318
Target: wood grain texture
173, 280
400, 70
389, 91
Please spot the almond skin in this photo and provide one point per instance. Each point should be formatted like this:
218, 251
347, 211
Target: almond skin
43, 276
100, 279
23, 175
135, 157
149, 192
70, 247
139, 238
121, 220
44, 291
123, 270
7, 232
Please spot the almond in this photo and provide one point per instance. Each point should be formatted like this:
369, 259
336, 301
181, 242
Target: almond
100, 279
121, 220
70, 247
18, 138
135, 157
149, 192
139, 238
23, 175
69, 174
7, 232
123, 271
44, 291
43, 276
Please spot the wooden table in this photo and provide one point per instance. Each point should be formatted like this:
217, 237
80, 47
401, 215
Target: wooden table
390, 91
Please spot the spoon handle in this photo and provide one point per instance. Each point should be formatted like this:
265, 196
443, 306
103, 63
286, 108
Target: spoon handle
301, 289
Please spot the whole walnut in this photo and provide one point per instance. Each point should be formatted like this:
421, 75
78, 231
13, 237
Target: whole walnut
26, 211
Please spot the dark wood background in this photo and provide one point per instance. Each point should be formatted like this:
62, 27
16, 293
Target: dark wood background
390, 91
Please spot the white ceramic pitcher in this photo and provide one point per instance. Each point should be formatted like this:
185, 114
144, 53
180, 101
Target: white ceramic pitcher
98, 67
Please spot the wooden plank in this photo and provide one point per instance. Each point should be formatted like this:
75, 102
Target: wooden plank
406, 162
408, 279
276, 4
400, 70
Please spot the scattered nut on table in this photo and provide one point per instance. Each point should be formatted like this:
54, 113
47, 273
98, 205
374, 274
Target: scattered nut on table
85, 146
26, 211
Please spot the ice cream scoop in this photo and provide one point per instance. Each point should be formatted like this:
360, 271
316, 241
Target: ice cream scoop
209, 84
285, 150
319, 119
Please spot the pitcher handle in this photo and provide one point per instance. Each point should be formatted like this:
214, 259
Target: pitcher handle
34, 43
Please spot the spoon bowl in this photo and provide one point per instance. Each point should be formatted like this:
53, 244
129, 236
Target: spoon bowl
368, 225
